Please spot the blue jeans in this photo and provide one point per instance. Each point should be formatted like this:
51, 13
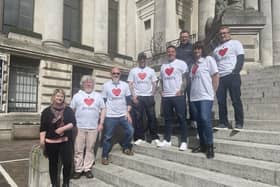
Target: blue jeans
110, 124
179, 104
204, 123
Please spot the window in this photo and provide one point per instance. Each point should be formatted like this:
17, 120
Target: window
181, 24
18, 14
72, 22
147, 24
23, 85
77, 74
113, 26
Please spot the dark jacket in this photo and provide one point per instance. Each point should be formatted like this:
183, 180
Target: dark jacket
185, 53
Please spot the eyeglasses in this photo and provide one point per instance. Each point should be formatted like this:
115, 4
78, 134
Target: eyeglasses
221, 33
115, 73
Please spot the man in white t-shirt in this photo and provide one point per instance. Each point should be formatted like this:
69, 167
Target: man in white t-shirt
89, 110
230, 59
173, 84
117, 98
142, 84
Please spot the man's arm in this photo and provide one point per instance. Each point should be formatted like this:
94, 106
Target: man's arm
183, 85
239, 64
215, 81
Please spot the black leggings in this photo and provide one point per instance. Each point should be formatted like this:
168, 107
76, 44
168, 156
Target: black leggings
56, 151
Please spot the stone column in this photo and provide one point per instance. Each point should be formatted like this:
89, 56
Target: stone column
276, 31
87, 22
1, 14
206, 10
252, 4
122, 24
101, 26
53, 27
171, 20
266, 34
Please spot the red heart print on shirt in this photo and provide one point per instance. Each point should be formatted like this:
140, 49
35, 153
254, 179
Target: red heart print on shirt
223, 51
169, 71
142, 75
116, 91
89, 101
194, 69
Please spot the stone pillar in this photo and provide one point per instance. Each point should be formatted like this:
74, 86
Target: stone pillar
131, 29
101, 26
206, 10
122, 24
53, 27
266, 34
88, 22
1, 14
252, 4
171, 20
276, 31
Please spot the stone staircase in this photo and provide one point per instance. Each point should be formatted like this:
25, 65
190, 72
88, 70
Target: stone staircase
247, 157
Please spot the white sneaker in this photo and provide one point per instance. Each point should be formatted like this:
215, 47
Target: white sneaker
138, 142
183, 146
164, 143
156, 142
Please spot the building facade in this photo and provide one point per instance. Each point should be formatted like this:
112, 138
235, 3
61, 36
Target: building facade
47, 44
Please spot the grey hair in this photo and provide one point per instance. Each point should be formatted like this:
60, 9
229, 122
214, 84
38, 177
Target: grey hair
85, 78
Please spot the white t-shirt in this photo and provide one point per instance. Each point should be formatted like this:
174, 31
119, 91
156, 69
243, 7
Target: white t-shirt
171, 76
142, 79
201, 79
87, 107
115, 94
226, 56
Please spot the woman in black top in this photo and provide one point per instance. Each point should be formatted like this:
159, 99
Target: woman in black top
57, 122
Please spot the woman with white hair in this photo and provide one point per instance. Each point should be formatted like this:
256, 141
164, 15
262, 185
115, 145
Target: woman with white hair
89, 110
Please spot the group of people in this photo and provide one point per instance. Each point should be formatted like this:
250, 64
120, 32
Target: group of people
187, 75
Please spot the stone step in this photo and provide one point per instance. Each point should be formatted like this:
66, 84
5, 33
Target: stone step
268, 125
182, 175
257, 151
123, 177
84, 182
256, 170
246, 135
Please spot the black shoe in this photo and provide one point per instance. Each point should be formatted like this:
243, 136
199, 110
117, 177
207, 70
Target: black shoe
128, 152
199, 149
89, 174
210, 151
77, 175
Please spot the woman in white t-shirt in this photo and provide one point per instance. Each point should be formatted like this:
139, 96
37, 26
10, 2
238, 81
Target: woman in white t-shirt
204, 83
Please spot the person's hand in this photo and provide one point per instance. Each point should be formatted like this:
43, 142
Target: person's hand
179, 93
135, 100
128, 117
59, 131
100, 127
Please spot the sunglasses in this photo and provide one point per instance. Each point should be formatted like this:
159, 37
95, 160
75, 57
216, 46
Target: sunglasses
115, 73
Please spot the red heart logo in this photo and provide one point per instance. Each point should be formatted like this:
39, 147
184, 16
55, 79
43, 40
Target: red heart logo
116, 91
222, 52
142, 75
194, 69
88, 101
169, 71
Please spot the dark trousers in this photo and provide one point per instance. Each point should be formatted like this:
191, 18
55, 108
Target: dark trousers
145, 105
204, 122
56, 151
232, 83
169, 104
